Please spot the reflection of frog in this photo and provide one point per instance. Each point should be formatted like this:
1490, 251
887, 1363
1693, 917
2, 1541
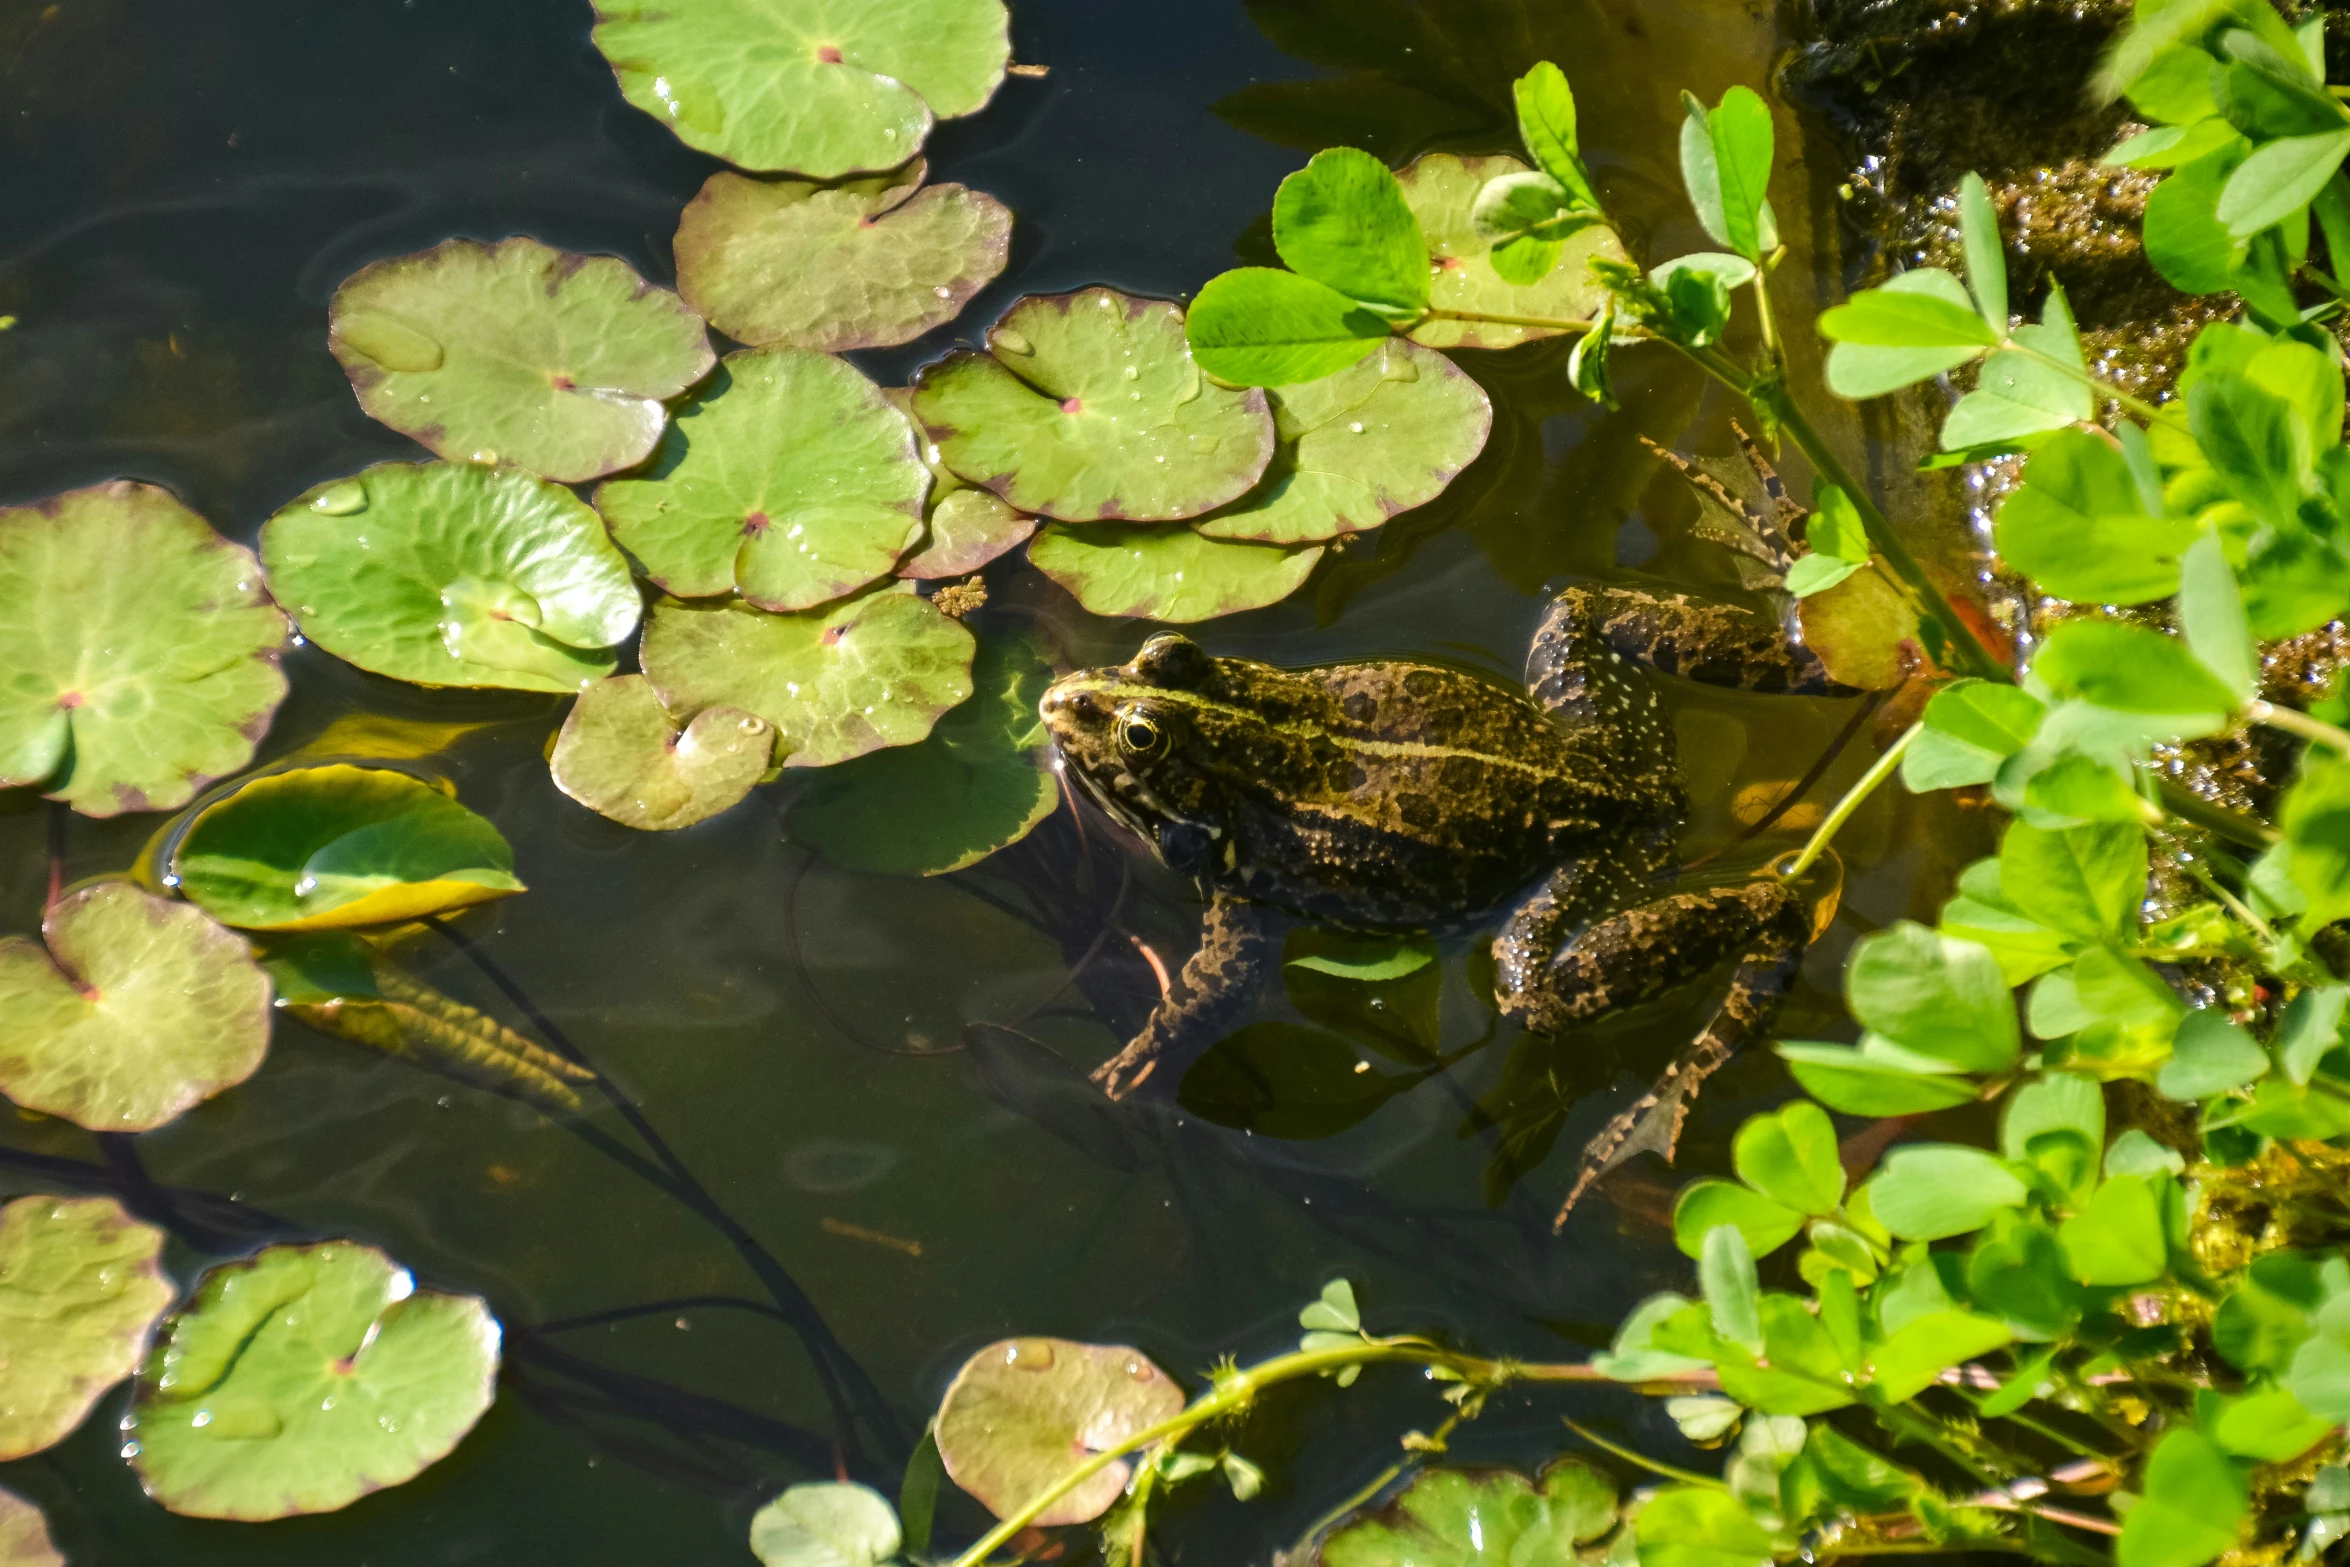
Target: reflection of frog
1401, 795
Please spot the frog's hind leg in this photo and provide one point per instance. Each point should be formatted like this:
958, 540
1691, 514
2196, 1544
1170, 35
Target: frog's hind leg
1711, 641
1240, 943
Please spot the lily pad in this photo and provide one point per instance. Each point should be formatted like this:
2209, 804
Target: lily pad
517, 352
965, 527
826, 1523
1168, 574
129, 690
980, 783
1087, 406
869, 672
622, 756
138, 1009
1380, 437
448, 574
869, 264
323, 848
79, 1288
1463, 1517
1441, 190
304, 1377
818, 89
1863, 630
791, 480
1022, 1410
24, 1535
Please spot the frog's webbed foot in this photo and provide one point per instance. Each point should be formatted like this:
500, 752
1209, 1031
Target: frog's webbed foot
1239, 944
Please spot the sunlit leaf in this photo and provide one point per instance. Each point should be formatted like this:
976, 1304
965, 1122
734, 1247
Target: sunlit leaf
80, 1284
1172, 575
1341, 220
1464, 1518
1021, 1410
1442, 192
825, 1523
1261, 326
2189, 1504
621, 755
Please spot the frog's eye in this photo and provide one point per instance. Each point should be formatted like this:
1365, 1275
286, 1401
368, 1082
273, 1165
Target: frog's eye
1139, 735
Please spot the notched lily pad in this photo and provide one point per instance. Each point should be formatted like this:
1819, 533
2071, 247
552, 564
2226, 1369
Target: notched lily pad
868, 264
24, 1535
322, 848
791, 480
449, 574
837, 682
1168, 574
1022, 1410
129, 689
1380, 437
621, 755
138, 1009
303, 1378
517, 352
80, 1285
1462, 1517
1441, 189
964, 528
1087, 406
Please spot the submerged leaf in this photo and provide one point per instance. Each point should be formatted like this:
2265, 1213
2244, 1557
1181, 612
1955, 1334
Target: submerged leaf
24, 1535
1863, 630
1441, 190
1467, 1517
80, 1285
621, 755
1022, 1409
1168, 574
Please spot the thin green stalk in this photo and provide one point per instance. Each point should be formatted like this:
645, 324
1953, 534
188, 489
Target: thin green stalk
2153, 413
1543, 323
1904, 1421
1642, 1461
1825, 834
2295, 722
2192, 808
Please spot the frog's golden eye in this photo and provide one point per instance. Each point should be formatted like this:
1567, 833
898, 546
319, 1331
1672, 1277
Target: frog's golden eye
1139, 735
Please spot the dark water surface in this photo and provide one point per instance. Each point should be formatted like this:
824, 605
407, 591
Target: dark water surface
182, 184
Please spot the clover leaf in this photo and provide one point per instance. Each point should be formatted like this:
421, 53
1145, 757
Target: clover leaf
1168, 574
80, 1285
621, 755
1020, 1409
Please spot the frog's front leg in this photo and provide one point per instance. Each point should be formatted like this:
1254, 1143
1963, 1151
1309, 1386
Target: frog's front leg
1240, 943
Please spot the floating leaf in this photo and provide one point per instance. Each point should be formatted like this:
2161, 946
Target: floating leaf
448, 574
621, 755
790, 480
1022, 1409
304, 1377
1466, 1517
517, 352
1167, 574
318, 848
79, 1288
1261, 326
129, 689
826, 1523
1088, 407
1441, 190
868, 264
967, 527
1355, 448
24, 1535
138, 1009
837, 682
819, 90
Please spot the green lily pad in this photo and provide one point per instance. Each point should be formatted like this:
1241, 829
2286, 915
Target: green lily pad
869, 264
1022, 1410
791, 480
1087, 407
965, 527
980, 782
79, 1288
1463, 1517
820, 90
1168, 574
324, 848
622, 756
872, 671
1380, 437
448, 574
517, 352
138, 1009
303, 1378
129, 690
1441, 190
24, 1535
826, 1523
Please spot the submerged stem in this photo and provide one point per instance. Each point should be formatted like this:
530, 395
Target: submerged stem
1878, 772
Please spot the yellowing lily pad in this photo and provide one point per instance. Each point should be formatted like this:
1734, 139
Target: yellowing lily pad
1087, 406
138, 1009
1380, 437
1022, 1410
79, 1288
791, 481
620, 754
448, 574
1441, 190
810, 86
868, 264
1168, 574
837, 682
24, 1535
141, 654
303, 1378
1863, 630
517, 352
324, 848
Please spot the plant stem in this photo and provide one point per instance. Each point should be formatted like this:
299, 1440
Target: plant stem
1878, 772
1540, 323
2295, 722
2152, 413
2190, 807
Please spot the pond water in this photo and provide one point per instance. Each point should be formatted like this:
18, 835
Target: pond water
185, 182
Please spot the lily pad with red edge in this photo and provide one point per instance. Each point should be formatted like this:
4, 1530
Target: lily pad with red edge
621, 755
24, 1535
1441, 189
1168, 574
326, 848
1863, 630
790, 480
869, 672
130, 689
1088, 406
80, 1285
449, 574
964, 528
517, 352
137, 1009
1022, 1410
866, 264
303, 1378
